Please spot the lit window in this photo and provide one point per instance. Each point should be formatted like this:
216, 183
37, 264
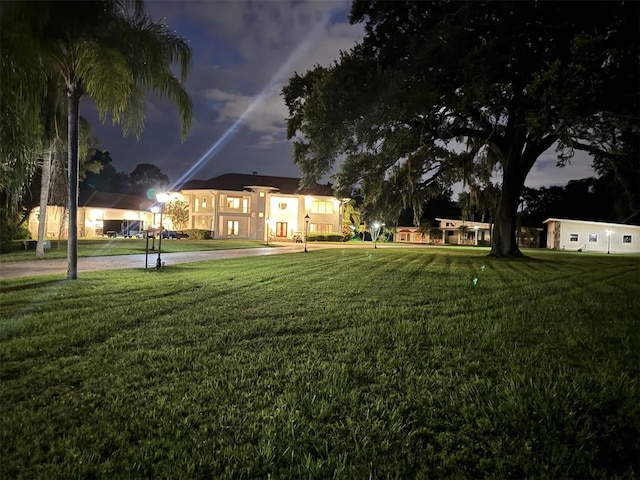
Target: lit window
233, 202
320, 227
573, 237
626, 238
593, 237
232, 227
321, 207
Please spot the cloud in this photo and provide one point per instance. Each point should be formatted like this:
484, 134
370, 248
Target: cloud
244, 52
262, 113
545, 172
274, 40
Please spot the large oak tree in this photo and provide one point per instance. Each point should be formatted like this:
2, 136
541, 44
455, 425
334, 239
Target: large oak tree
439, 92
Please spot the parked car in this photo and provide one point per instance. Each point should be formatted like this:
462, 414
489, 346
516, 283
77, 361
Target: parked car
174, 234
124, 234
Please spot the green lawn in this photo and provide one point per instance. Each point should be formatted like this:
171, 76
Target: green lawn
127, 246
343, 363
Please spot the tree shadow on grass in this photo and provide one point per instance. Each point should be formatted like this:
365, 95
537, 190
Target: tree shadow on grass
31, 285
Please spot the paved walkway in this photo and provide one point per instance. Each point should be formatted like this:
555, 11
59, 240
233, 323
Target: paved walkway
30, 268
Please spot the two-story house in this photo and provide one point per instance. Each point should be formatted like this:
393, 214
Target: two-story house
253, 206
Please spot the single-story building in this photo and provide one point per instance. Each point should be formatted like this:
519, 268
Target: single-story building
464, 232
98, 213
448, 232
589, 236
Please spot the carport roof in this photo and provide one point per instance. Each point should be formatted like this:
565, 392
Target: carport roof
95, 199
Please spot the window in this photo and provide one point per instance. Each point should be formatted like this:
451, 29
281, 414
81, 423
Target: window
320, 228
593, 237
626, 238
405, 237
573, 237
235, 203
232, 227
321, 207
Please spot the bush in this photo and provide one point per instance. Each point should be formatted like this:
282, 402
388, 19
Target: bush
326, 237
198, 234
11, 229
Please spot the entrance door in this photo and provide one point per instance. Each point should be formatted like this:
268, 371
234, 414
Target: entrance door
281, 229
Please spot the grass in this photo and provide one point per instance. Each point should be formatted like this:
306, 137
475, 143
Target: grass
127, 246
394, 363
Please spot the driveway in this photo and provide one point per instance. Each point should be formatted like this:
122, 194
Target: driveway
30, 268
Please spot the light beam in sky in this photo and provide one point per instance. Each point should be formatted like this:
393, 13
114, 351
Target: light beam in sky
285, 69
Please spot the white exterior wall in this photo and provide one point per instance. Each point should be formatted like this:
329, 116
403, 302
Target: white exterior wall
284, 210
574, 235
90, 220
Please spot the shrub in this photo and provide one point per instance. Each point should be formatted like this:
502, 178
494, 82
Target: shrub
198, 234
326, 237
11, 229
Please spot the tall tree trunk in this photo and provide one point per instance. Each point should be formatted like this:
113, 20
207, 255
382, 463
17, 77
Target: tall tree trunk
503, 237
44, 200
72, 198
520, 154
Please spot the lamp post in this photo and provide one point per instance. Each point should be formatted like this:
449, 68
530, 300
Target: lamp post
162, 199
267, 225
608, 241
306, 230
376, 225
155, 209
375, 233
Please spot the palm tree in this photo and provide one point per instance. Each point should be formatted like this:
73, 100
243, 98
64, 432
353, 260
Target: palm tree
22, 92
112, 52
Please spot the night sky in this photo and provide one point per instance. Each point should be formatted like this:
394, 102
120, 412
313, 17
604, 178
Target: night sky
243, 54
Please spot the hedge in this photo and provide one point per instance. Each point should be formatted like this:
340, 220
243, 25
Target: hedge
326, 237
198, 234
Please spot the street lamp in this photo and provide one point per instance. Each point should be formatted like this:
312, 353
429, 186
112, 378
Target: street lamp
609, 232
267, 224
162, 199
155, 210
376, 225
306, 230
375, 233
